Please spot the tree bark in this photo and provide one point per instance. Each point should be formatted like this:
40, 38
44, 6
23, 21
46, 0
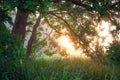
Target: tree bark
19, 27
30, 42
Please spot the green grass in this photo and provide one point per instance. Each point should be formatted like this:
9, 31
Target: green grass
62, 68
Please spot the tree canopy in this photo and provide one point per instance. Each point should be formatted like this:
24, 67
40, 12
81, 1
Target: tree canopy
79, 16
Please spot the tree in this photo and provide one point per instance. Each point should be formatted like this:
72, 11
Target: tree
23, 11
81, 23
30, 42
26, 7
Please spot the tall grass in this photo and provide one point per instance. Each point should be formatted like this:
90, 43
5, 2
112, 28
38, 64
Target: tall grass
62, 68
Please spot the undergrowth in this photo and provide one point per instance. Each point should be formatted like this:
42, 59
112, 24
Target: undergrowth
70, 68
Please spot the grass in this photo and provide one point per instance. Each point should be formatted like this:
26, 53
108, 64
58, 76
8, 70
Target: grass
57, 67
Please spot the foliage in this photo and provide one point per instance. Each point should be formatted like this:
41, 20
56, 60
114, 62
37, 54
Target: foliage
28, 6
11, 47
12, 51
114, 53
81, 26
4, 17
98, 5
44, 7
11, 55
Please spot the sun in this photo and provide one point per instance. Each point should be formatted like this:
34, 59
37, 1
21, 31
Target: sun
66, 44
103, 38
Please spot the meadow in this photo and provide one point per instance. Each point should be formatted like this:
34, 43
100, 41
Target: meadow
57, 67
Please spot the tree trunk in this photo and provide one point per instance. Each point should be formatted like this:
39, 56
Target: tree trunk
30, 42
19, 27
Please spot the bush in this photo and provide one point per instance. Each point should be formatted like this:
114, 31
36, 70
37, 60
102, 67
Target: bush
11, 55
114, 53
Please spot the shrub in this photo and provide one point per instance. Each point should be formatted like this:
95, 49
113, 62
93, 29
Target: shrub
114, 53
11, 55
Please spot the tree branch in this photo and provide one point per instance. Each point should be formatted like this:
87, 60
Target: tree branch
79, 3
51, 25
114, 4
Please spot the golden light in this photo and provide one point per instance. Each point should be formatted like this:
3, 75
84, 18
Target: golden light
104, 33
103, 29
66, 44
103, 38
